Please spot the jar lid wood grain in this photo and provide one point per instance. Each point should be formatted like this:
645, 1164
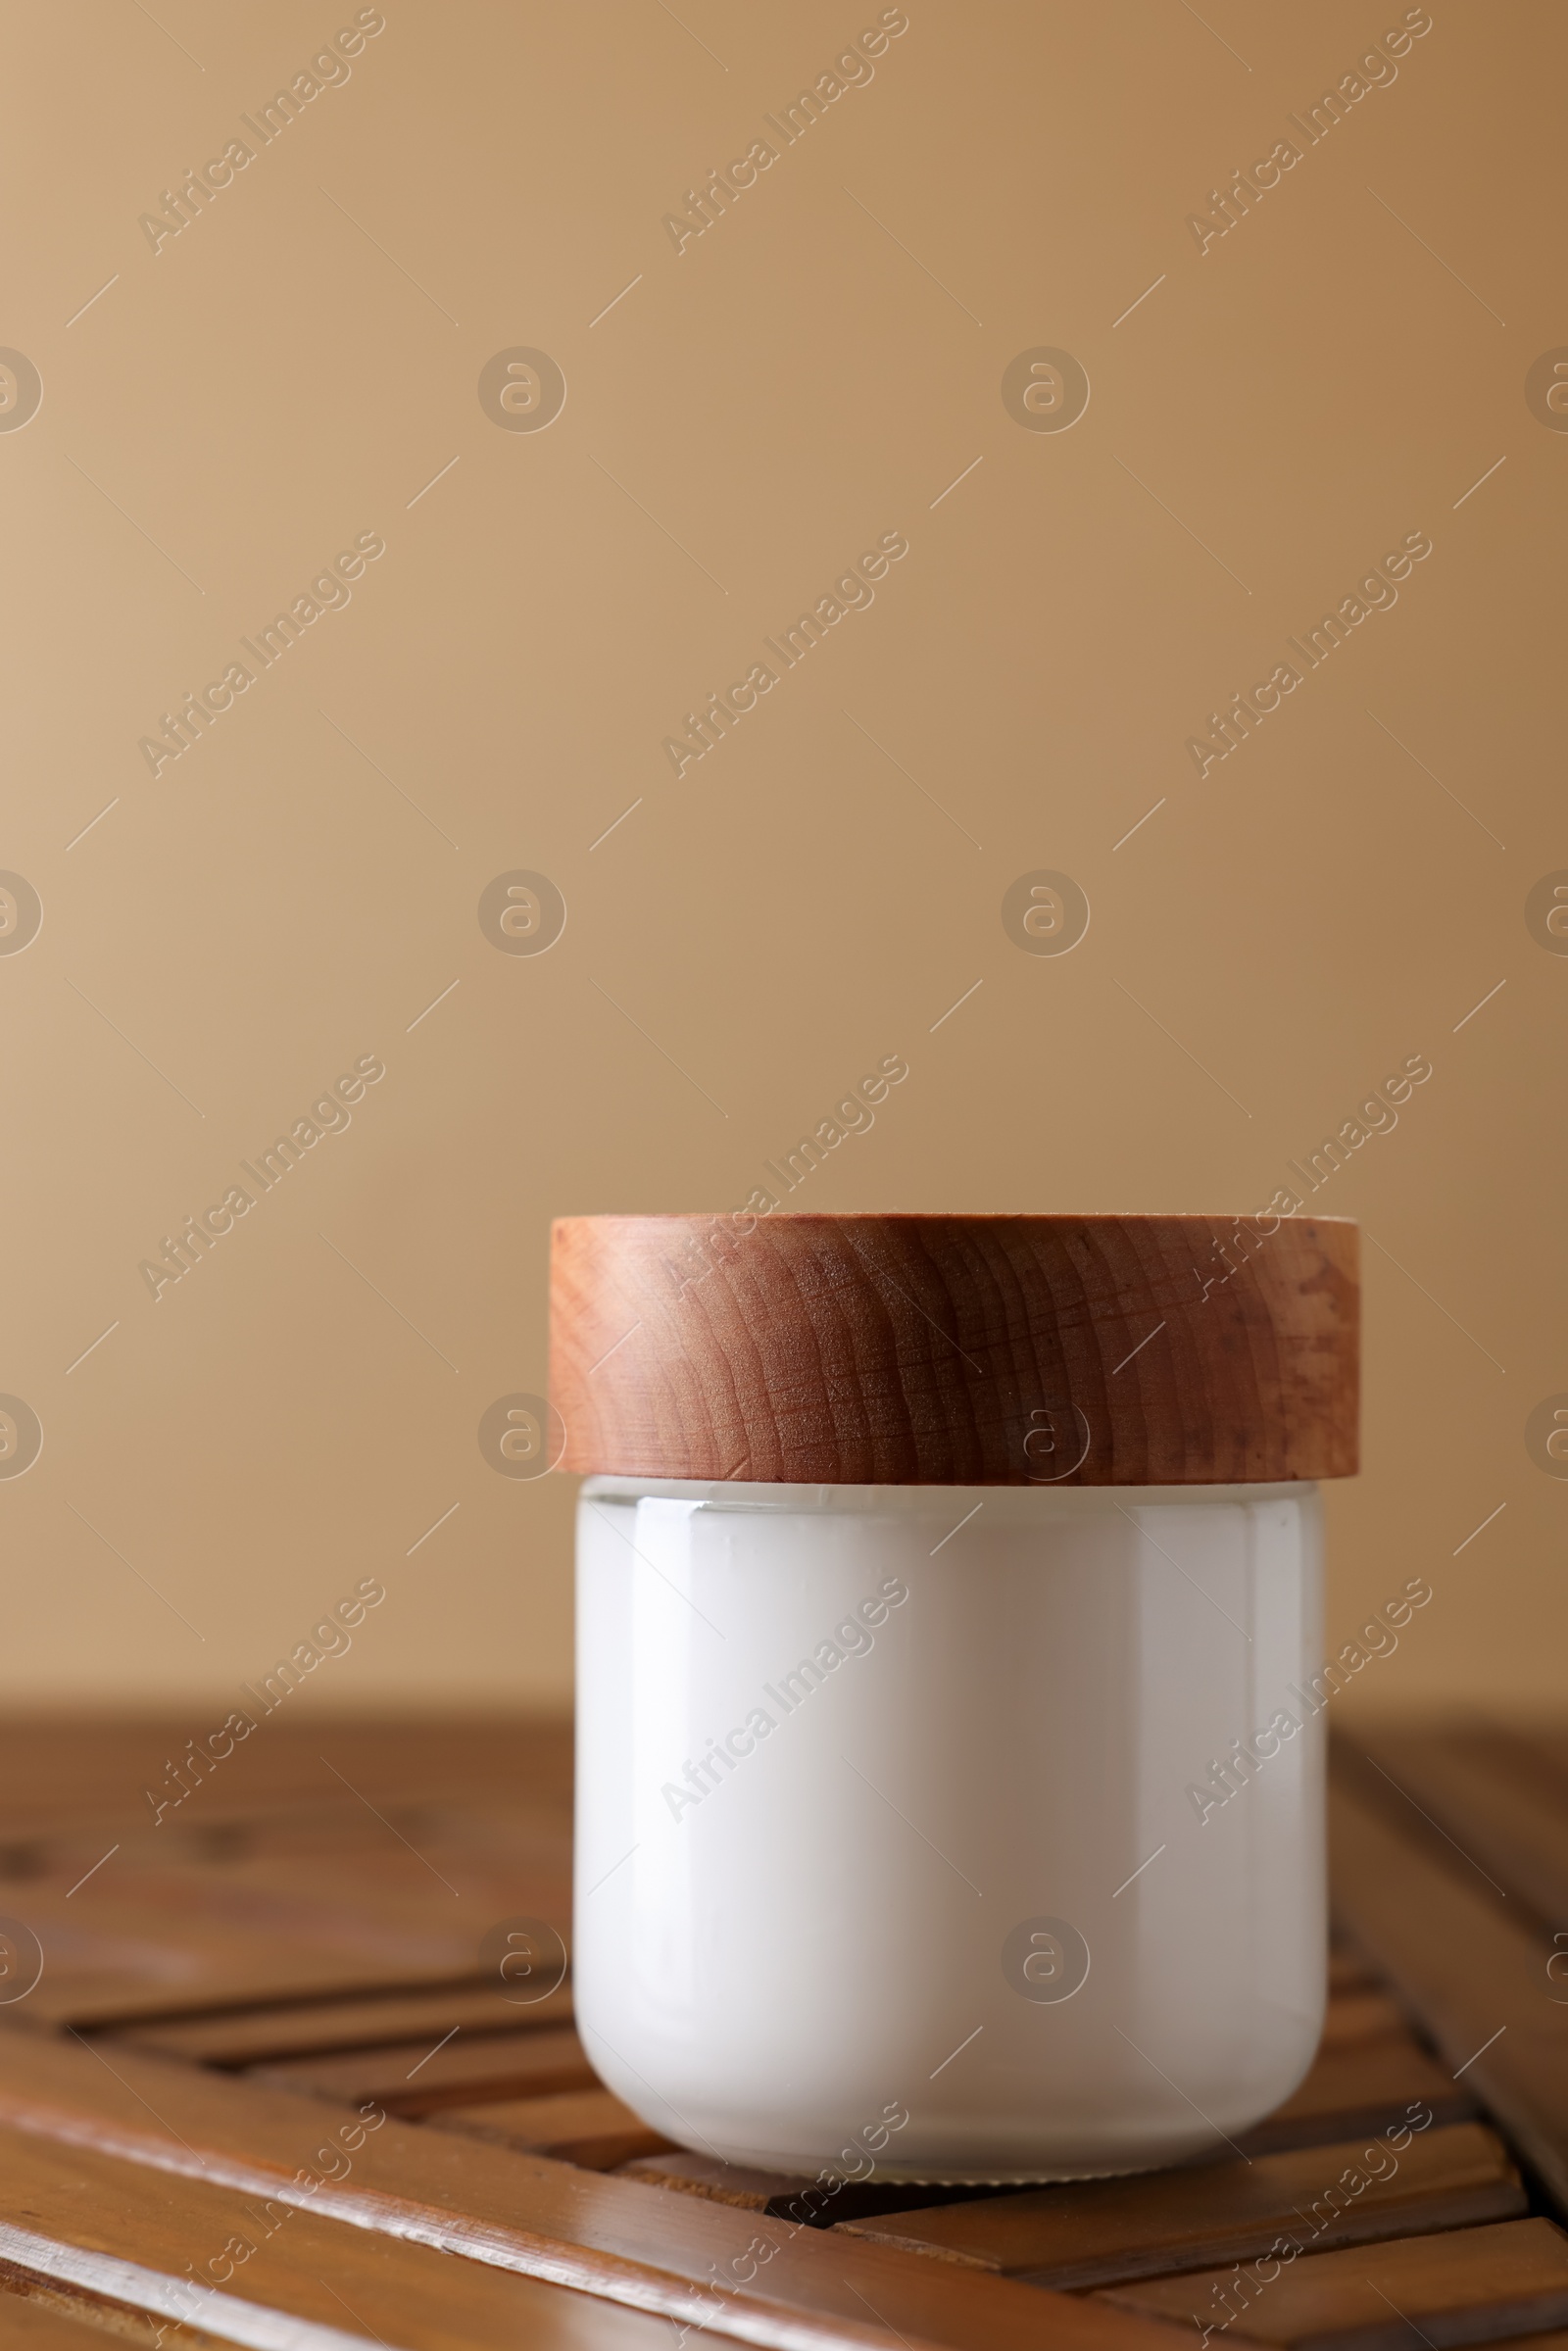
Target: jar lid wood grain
957, 1350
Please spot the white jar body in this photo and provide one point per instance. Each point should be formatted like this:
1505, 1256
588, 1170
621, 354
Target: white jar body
969, 1833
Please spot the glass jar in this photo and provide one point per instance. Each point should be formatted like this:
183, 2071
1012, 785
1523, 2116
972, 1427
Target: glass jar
950, 1763
987, 1821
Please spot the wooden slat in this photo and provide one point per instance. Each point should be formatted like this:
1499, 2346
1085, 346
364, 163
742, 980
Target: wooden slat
351, 1888
1349, 2091
1476, 2286
701, 2264
145, 1943
748, 2190
34, 2323
57, 1771
124, 2232
787, 2195
1474, 1973
1502, 1803
590, 2128
1092, 2233
1349, 1972
533, 1831
1356, 2017
409, 2080
1541, 1742
505, 2178
332, 2027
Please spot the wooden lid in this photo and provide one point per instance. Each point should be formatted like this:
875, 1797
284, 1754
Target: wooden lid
957, 1350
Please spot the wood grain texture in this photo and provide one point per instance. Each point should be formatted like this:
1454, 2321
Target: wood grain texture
701, 2264
58, 1771
1354, 2018
589, 2128
956, 1349
1503, 1802
36, 2319
1349, 2091
1476, 2286
336, 2027
407, 2078
306, 1943
1349, 1972
786, 2195
150, 1936
120, 2233
1469, 1964
144, 1929
737, 2184
1093, 2232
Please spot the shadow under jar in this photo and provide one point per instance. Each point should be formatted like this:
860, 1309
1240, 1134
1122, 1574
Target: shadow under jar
950, 1766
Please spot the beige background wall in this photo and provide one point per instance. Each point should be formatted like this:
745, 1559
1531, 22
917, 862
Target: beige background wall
300, 364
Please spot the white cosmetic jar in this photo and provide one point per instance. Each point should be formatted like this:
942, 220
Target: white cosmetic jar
962, 1829
973, 1832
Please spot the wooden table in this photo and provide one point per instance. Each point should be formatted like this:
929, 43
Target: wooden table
263, 2093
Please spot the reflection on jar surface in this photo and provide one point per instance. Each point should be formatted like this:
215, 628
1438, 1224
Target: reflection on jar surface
914, 1819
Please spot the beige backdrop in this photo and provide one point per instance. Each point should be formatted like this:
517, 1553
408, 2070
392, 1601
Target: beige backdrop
242, 385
